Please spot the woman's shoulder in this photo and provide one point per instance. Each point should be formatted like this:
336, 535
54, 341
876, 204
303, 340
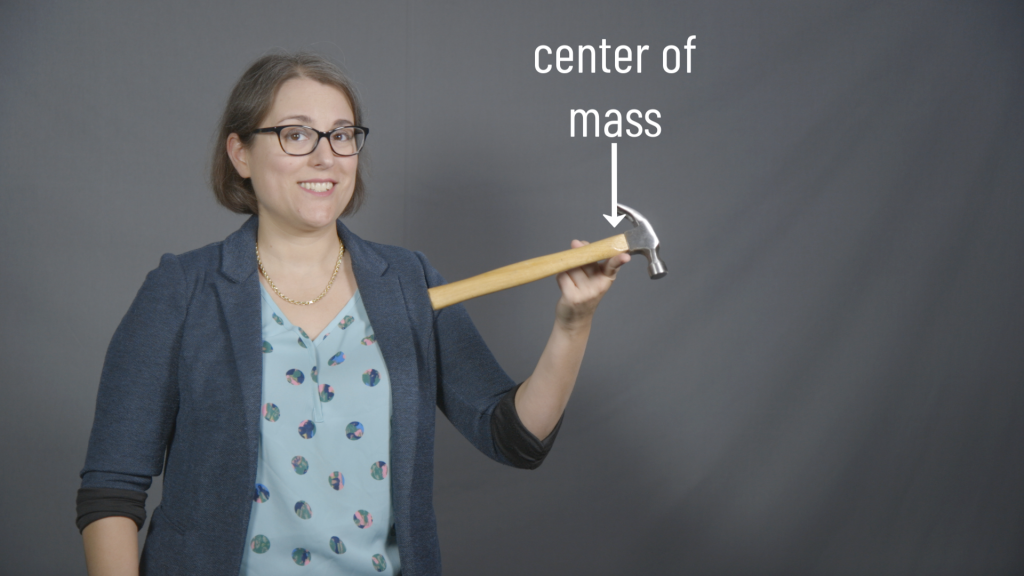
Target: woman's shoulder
396, 254
233, 256
376, 257
178, 278
200, 259
195, 262
405, 261
177, 275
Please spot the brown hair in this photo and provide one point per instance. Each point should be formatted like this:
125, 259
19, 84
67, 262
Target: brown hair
249, 103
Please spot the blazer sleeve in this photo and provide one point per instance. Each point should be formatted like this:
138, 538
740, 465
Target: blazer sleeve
137, 402
475, 393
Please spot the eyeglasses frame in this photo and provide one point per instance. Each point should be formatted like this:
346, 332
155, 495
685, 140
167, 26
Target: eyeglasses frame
320, 135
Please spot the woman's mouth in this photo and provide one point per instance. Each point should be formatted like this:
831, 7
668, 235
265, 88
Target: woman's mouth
317, 186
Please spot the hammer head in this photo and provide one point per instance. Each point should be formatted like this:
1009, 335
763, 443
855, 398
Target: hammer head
643, 240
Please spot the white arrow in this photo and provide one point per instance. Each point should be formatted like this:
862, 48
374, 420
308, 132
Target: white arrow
612, 218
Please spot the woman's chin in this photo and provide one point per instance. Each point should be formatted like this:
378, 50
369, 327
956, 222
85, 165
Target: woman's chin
319, 223
319, 217
304, 218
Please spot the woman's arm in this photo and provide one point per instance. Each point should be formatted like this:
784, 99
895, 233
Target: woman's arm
541, 399
136, 408
112, 547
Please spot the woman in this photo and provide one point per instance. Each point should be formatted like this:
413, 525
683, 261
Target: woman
284, 380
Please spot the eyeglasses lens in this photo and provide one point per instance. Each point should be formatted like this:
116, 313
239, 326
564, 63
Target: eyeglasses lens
346, 141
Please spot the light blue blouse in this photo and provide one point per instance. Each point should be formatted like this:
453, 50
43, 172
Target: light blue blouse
322, 501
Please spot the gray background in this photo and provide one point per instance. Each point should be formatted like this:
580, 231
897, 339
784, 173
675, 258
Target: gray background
827, 382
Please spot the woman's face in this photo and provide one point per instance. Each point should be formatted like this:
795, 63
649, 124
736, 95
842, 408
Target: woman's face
303, 193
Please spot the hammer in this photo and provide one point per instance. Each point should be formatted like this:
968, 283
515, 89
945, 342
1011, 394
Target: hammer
639, 240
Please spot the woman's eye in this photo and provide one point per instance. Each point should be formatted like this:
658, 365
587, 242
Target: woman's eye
295, 135
342, 135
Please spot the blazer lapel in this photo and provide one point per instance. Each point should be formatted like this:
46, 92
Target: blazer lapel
385, 302
239, 293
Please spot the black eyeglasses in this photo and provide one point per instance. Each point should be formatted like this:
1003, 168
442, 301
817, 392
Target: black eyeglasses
303, 140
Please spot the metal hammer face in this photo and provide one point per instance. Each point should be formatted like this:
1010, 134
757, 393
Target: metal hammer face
643, 240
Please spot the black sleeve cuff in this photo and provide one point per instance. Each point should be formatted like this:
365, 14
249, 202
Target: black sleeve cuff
96, 503
517, 444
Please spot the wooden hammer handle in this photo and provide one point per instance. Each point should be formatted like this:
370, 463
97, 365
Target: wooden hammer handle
525, 271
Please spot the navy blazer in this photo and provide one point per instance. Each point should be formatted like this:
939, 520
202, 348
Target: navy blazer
181, 392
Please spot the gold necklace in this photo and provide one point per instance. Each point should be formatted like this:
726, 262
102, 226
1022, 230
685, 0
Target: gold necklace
337, 266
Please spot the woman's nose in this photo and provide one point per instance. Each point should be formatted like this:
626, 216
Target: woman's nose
322, 155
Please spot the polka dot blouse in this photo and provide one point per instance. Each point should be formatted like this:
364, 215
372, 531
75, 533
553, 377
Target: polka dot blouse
322, 499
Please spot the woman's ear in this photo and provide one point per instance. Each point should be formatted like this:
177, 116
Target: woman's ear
239, 155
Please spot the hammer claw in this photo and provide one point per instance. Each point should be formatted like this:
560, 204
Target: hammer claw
643, 240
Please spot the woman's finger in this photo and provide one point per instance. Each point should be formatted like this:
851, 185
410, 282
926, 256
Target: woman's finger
612, 265
593, 268
566, 284
582, 275
579, 277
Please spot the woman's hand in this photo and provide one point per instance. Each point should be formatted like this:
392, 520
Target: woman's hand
543, 396
583, 288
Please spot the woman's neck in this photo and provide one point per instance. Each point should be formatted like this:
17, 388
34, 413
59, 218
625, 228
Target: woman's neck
297, 252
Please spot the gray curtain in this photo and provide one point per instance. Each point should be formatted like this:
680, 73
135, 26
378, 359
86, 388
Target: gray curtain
829, 380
